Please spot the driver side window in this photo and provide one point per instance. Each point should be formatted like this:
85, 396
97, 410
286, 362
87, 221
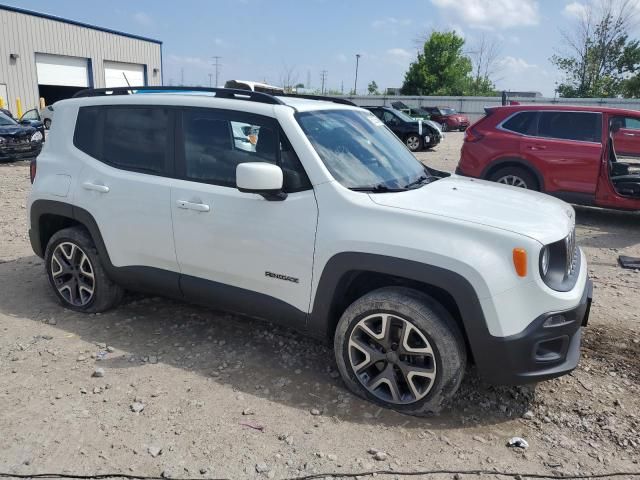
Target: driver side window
389, 118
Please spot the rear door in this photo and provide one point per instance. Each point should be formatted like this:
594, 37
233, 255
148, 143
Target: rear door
127, 154
567, 147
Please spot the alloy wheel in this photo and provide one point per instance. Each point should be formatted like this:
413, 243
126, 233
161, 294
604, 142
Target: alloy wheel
513, 180
392, 359
72, 274
413, 142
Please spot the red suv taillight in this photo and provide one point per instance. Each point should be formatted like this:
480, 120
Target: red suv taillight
32, 170
471, 135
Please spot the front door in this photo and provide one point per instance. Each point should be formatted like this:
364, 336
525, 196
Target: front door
238, 250
626, 136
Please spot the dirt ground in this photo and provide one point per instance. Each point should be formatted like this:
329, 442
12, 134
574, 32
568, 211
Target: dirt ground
188, 392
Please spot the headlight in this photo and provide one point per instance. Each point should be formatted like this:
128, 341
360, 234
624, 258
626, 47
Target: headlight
36, 137
544, 261
3, 140
558, 262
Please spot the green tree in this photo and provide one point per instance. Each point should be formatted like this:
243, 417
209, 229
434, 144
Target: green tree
441, 68
601, 60
372, 88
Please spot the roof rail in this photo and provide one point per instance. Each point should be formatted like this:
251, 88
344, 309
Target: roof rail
220, 93
342, 101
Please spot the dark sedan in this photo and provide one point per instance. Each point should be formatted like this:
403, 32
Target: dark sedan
18, 141
416, 134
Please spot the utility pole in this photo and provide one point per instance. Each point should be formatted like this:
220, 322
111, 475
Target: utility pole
355, 83
342, 87
323, 78
217, 65
308, 85
182, 77
210, 75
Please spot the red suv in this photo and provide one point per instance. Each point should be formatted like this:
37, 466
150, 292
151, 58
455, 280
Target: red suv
574, 153
448, 117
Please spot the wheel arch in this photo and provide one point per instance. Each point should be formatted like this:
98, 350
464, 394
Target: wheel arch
513, 162
348, 276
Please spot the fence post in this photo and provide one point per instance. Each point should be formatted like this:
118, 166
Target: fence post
1, 102
19, 107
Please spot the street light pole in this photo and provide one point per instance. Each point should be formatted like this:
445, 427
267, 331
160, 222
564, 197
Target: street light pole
355, 83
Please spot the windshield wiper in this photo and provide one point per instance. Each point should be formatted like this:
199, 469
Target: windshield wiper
419, 182
379, 188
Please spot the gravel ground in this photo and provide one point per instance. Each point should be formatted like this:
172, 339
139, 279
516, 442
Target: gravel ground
160, 387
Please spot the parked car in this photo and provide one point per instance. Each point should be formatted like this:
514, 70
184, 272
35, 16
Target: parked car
416, 134
44, 116
448, 117
331, 226
567, 151
418, 113
17, 140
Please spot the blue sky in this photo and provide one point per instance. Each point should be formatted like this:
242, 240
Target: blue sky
262, 39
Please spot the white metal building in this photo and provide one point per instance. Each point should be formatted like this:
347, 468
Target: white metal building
51, 57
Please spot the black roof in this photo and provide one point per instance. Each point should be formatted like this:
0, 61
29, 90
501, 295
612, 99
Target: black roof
73, 22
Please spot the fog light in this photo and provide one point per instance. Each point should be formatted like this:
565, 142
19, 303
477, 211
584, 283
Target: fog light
556, 321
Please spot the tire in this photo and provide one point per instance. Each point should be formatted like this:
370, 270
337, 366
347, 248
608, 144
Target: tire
445, 127
47, 123
76, 274
438, 374
413, 142
516, 177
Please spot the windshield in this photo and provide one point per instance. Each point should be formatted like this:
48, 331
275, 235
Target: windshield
403, 116
448, 111
5, 121
361, 152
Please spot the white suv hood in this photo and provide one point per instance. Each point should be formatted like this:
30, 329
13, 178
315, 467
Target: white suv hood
528, 213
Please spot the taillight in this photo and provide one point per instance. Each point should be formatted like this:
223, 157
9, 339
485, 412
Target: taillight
471, 135
32, 170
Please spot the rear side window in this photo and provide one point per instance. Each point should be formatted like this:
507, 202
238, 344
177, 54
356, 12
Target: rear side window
136, 138
130, 138
581, 126
85, 137
523, 122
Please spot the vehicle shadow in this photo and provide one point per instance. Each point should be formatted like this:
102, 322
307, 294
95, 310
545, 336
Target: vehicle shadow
608, 228
251, 356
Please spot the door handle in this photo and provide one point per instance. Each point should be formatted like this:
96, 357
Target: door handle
198, 207
537, 147
629, 134
95, 187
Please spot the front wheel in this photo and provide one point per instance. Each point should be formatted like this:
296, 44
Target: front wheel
444, 127
47, 123
400, 348
76, 273
413, 142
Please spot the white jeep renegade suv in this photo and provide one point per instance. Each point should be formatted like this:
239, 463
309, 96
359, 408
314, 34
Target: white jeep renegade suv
328, 224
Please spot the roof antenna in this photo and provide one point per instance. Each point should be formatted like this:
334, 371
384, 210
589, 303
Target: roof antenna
128, 84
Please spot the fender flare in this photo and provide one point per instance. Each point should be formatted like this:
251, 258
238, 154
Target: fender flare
496, 164
322, 319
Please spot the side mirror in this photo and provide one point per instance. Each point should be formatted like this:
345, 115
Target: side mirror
262, 178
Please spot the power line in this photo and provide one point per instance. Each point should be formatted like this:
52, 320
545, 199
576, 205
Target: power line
217, 65
323, 78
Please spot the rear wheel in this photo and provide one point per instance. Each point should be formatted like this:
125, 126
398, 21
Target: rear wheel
401, 349
413, 142
445, 127
76, 273
47, 123
516, 177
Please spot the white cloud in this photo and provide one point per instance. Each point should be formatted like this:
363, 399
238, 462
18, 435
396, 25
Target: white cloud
187, 61
400, 53
515, 64
143, 19
575, 10
341, 57
219, 42
493, 14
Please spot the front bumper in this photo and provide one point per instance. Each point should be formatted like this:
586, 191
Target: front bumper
537, 353
17, 152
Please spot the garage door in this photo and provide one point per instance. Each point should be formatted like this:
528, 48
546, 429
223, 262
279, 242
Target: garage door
114, 74
62, 71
